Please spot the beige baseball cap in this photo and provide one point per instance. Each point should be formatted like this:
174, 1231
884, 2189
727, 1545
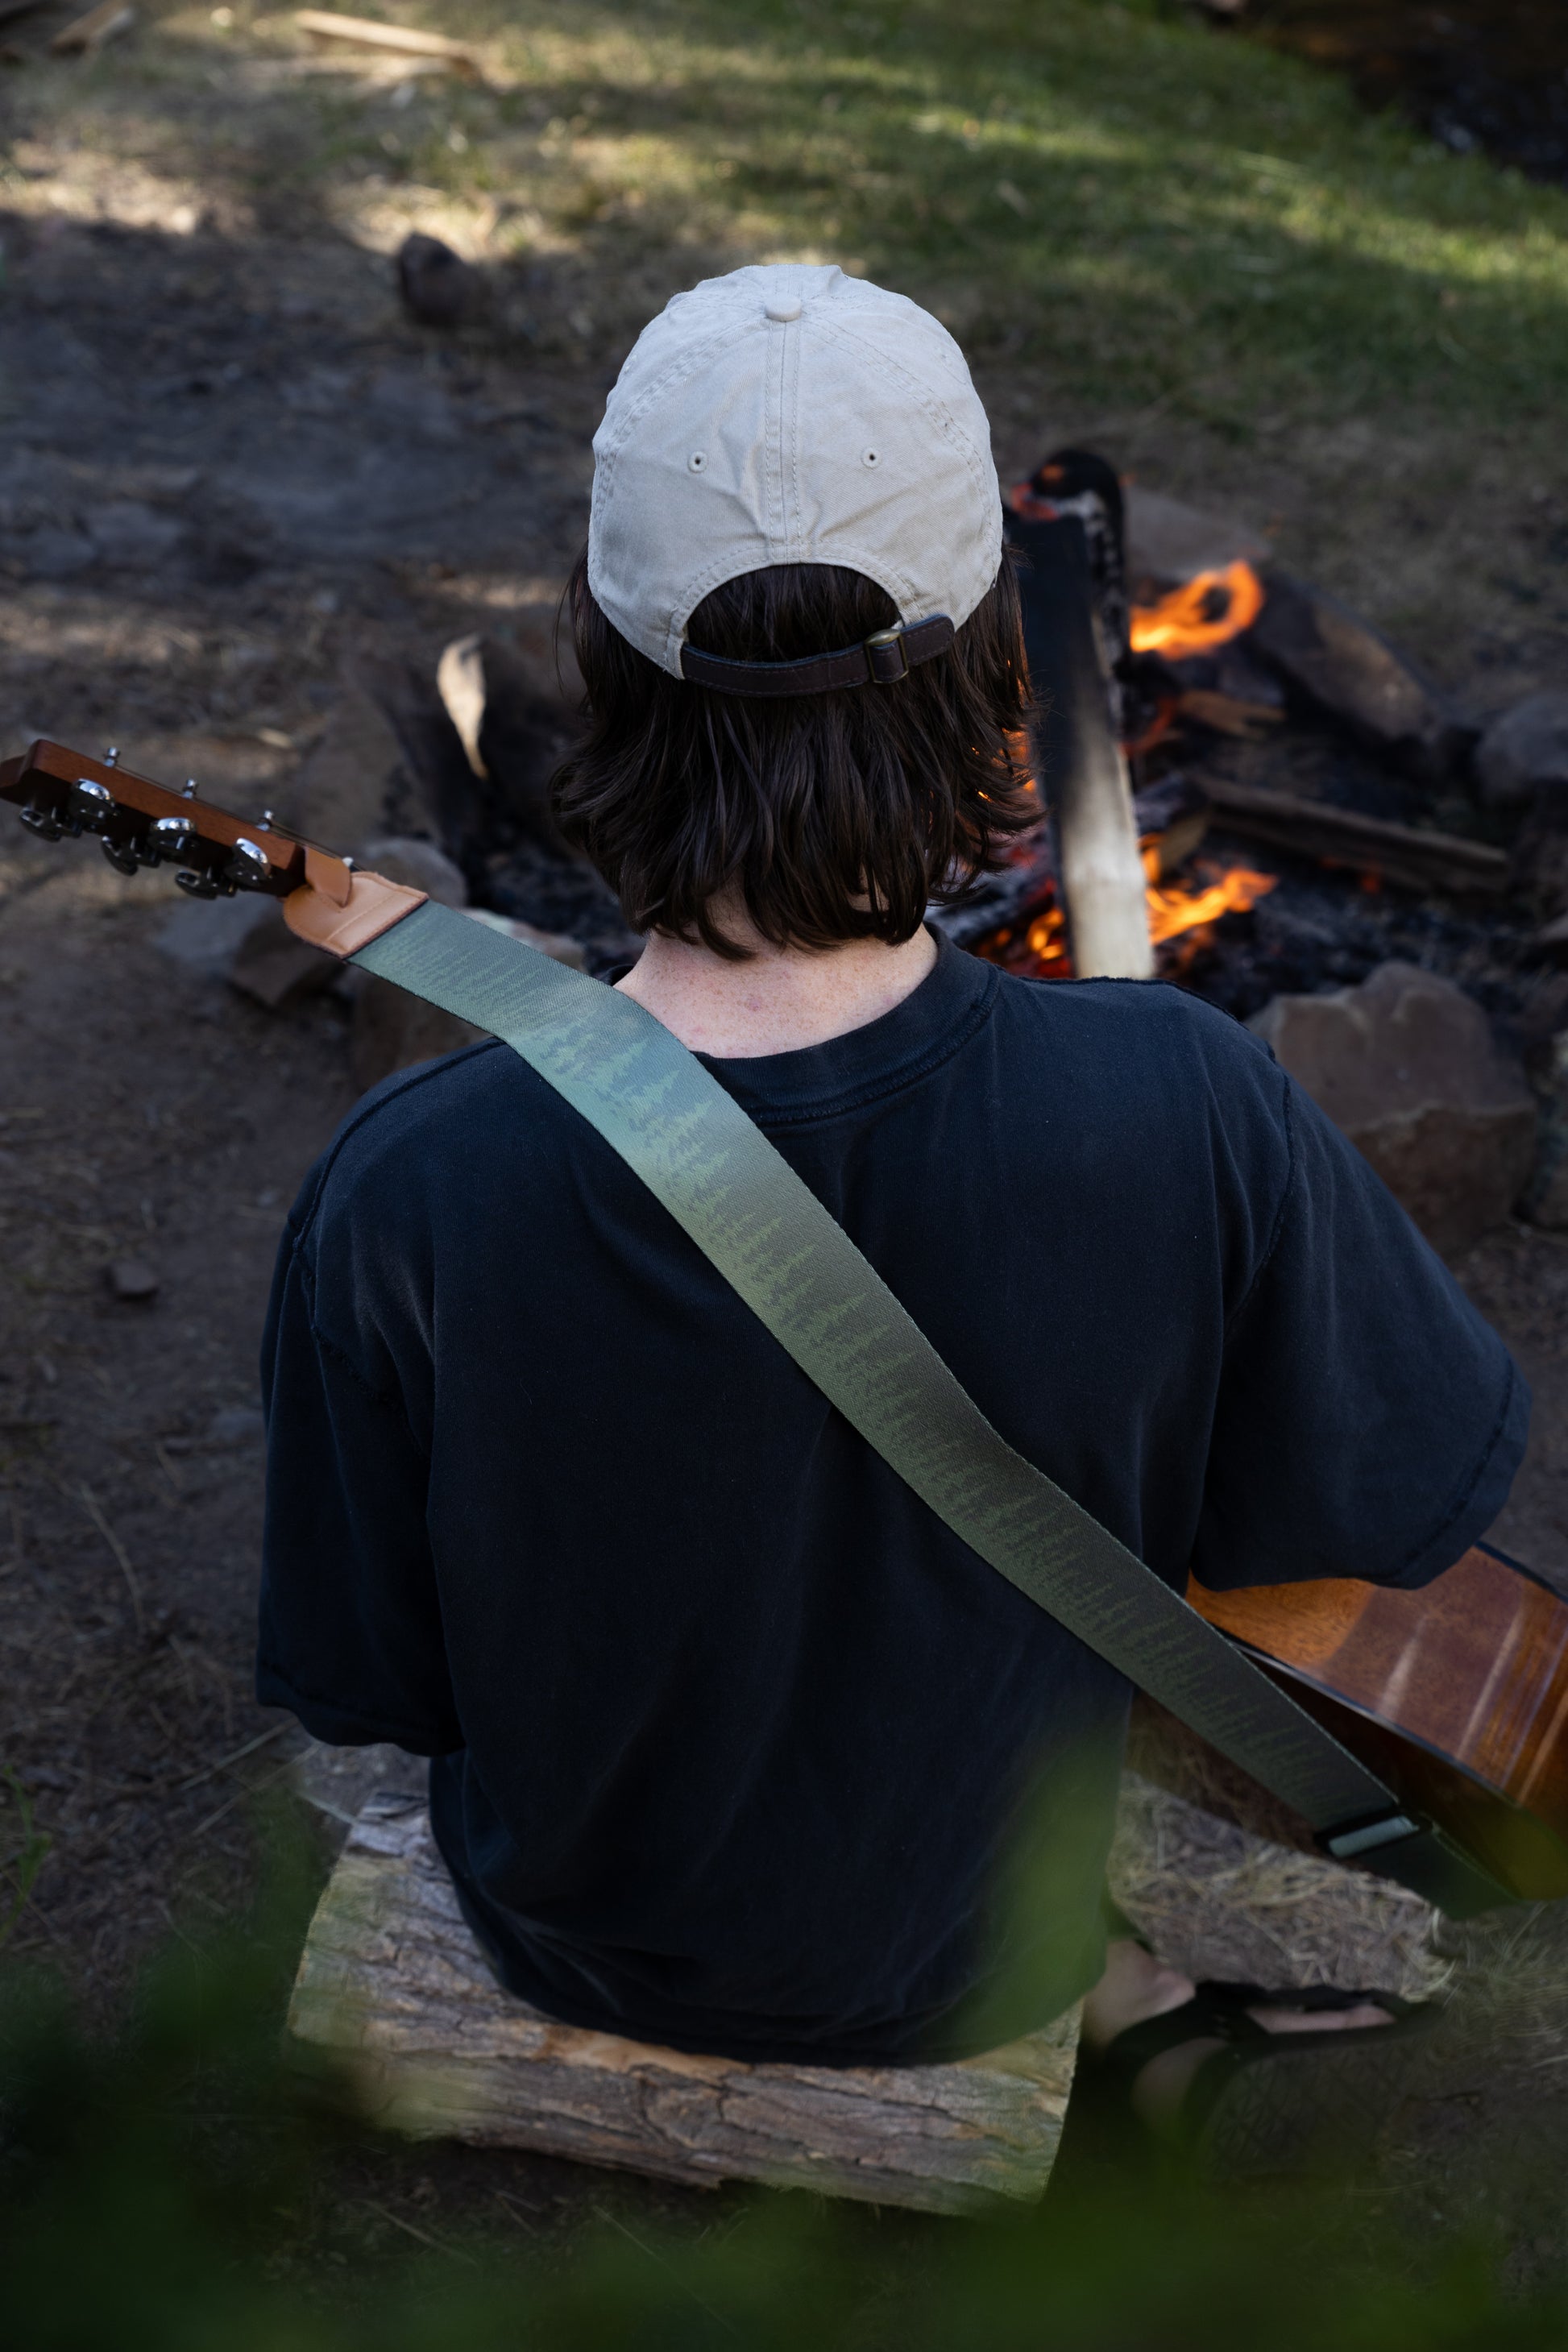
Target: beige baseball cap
788, 414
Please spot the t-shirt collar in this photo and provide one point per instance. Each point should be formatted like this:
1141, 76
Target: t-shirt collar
817, 1081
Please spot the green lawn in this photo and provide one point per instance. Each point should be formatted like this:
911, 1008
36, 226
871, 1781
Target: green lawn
1143, 202
1134, 223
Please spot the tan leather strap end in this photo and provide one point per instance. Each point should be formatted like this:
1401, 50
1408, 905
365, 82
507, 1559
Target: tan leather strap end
372, 906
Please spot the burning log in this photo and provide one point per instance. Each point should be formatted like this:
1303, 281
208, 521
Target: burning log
1339, 662
1399, 853
1006, 901
1079, 762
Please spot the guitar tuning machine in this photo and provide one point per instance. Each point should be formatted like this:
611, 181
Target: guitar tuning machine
205, 886
43, 822
111, 757
123, 856
168, 836
249, 868
89, 806
188, 788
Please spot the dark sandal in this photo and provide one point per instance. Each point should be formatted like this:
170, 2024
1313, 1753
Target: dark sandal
1265, 2103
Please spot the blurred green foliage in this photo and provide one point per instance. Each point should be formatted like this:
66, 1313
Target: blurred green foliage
164, 2189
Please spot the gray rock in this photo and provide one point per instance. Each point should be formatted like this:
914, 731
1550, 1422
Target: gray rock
417, 864
393, 1031
205, 934
1524, 751
1545, 1201
132, 1279
438, 287
277, 969
1407, 1066
338, 795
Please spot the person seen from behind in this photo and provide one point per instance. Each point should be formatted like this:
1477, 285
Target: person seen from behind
729, 1735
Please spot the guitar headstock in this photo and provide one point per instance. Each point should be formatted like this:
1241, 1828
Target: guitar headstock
141, 824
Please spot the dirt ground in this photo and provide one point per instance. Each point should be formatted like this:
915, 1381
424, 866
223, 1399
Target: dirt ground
232, 469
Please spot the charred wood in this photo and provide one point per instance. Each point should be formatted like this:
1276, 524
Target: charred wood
1341, 664
1401, 854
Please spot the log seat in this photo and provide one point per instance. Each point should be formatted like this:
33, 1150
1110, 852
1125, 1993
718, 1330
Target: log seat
394, 1983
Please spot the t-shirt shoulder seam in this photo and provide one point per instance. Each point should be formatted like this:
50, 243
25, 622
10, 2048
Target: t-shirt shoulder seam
388, 1401
422, 1075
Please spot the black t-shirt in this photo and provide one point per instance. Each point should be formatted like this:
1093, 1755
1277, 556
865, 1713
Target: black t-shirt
729, 1729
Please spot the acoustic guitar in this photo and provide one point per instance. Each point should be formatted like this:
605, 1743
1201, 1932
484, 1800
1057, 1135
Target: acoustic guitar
1456, 1695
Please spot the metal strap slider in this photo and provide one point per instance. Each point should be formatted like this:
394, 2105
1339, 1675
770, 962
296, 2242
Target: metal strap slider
1363, 1836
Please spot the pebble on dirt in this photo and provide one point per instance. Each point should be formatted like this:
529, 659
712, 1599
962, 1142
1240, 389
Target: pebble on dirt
132, 1279
438, 287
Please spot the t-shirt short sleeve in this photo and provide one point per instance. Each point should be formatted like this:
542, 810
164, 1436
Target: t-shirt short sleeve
1368, 1422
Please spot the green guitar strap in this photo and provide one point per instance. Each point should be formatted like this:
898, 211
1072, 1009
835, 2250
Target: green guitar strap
731, 1191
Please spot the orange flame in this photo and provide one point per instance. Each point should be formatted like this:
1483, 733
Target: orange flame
1206, 610
1235, 890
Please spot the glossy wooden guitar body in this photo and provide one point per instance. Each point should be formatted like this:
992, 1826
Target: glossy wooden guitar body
1457, 1695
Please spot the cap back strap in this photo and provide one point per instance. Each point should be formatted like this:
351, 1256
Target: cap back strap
882, 659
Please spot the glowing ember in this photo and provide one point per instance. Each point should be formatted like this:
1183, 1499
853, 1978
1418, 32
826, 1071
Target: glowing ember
1205, 612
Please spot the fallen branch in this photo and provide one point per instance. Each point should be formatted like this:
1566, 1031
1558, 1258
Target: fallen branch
370, 35
89, 1503
1399, 853
85, 34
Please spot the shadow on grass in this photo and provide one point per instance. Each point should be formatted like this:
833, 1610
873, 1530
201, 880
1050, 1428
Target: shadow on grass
1135, 203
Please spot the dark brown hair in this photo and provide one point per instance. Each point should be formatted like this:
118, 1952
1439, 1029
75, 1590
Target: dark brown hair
837, 815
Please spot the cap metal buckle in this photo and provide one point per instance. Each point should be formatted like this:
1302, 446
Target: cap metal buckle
877, 643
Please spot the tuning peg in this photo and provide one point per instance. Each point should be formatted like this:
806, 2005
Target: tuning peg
169, 836
111, 757
249, 868
122, 855
43, 822
89, 806
188, 788
205, 886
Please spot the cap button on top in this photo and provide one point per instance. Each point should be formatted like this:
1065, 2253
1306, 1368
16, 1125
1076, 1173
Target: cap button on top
784, 307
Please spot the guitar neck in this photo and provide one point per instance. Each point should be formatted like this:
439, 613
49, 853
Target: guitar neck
141, 824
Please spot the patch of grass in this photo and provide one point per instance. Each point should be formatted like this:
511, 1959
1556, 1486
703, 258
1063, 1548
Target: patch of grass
1147, 208
1188, 248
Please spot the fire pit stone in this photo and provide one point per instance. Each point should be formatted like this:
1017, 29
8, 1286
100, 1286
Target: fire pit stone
1407, 1066
1524, 751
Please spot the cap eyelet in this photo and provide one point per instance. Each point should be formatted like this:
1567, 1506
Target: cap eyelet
697, 463
870, 457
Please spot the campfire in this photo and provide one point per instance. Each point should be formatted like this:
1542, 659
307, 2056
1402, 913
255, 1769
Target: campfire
1286, 764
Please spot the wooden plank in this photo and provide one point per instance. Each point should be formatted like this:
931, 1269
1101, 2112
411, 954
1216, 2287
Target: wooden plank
367, 33
393, 1980
1400, 853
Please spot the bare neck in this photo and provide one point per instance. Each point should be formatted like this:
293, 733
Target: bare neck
781, 999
